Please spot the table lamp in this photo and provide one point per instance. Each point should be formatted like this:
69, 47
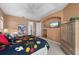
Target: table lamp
5, 30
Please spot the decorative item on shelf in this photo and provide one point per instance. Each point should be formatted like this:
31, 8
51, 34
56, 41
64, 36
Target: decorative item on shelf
74, 18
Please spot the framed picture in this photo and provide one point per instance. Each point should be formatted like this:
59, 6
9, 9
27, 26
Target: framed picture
21, 28
54, 24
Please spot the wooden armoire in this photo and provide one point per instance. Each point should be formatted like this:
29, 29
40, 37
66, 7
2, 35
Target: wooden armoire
70, 37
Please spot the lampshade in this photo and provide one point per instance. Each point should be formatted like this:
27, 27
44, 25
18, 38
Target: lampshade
5, 30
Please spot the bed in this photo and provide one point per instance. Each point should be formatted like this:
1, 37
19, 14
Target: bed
25, 45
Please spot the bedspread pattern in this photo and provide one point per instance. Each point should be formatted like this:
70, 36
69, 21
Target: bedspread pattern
25, 47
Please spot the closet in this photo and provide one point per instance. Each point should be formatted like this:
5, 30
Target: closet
70, 37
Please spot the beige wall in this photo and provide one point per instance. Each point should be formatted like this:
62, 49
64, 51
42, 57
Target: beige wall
12, 22
57, 14
71, 10
52, 33
2, 15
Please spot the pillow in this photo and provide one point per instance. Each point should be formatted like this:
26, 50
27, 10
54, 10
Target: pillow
3, 39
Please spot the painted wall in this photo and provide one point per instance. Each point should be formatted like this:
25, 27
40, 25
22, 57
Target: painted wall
57, 14
71, 10
1, 13
1, 20
52, 33
12, 22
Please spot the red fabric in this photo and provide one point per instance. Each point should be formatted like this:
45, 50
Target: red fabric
3, 39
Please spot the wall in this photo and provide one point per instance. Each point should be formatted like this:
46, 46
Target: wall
1, 13
71, 10
52, 33
2, 20
57, 14
12, 22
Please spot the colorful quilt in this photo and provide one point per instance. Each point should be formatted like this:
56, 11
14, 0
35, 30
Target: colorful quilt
25, 46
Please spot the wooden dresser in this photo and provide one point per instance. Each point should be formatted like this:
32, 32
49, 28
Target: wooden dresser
70, 37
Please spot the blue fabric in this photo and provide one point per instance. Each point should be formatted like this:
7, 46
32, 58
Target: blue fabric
12, 51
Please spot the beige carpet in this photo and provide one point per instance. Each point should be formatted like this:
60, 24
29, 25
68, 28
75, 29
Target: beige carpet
54, 48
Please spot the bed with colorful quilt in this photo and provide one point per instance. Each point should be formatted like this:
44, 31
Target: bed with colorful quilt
23, 45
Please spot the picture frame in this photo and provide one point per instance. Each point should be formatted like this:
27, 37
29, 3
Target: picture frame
54, 24
21, 29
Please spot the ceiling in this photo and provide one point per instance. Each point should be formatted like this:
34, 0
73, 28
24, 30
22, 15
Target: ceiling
34, 11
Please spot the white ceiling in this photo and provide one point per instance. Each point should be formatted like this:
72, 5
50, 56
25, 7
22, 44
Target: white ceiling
34, 11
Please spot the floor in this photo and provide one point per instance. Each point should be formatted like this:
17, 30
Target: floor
54, 48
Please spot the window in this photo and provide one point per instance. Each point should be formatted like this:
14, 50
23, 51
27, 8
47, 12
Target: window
1, 25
